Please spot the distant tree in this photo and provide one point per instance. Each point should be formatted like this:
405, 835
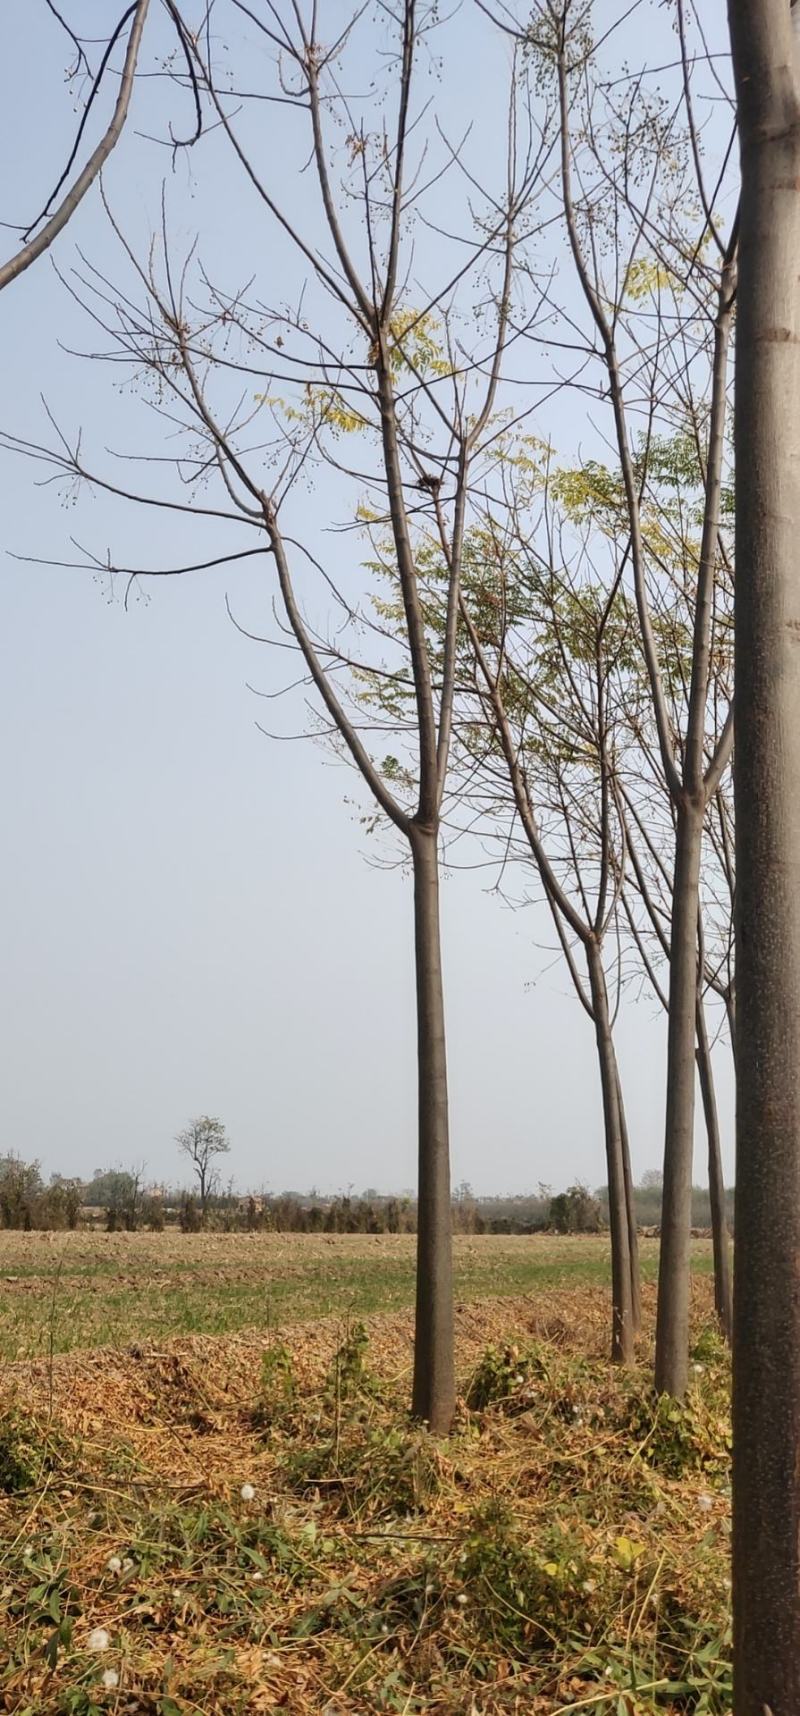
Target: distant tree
189, 1220
119, 1192
20, 1189
203, 1141
62, 1202
575, 1211
151, 1211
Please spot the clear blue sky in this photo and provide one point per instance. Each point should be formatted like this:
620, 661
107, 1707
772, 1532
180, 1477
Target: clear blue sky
188, 922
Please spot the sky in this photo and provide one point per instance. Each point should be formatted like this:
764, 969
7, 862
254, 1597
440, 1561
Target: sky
194, 918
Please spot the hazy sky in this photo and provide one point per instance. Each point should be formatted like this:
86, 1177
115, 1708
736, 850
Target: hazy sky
190, 919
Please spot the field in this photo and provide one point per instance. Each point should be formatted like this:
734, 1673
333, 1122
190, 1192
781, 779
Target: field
223, 1509
61, 1291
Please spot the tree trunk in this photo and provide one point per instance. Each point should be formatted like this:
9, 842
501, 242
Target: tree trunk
672, 1321
730, 1011
723, 1285
434, 1390
622, 1329
766, 1325
630, 1203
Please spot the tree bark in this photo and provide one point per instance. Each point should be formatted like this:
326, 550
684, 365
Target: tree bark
672, 1321
766, 1326
723, 1285
433, 1397
730, 1010
622, 1325
630, 1204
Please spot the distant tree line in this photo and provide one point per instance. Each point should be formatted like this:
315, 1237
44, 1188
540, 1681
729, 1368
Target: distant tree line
120, 1200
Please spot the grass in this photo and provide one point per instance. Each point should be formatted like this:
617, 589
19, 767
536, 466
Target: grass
60, 1292
255, 1526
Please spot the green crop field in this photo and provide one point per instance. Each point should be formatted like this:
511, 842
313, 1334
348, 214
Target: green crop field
86, 1289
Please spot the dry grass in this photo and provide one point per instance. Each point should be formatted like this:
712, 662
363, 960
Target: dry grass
565, 1550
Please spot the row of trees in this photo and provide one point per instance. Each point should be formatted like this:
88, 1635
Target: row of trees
126, 1201
539, 652
526, 647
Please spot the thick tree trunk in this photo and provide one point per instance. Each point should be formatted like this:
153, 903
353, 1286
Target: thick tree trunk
723, 1285
433, 1396
622, 1329
672, 1322
766, 1326
630, 1204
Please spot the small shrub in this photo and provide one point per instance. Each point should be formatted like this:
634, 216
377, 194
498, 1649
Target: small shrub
350, 1375
373, 1470
710, 1347
19, 1459
677, 1436
528, 1594
277, 1387
501, 1378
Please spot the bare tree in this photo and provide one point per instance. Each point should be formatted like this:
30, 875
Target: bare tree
51, 221
203, 1141
379, 382
766, 1340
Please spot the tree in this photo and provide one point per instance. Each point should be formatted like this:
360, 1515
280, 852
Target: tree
575, 1211
21, 1188
203, 1141
766, 1337
547, 642
50, 224
119, 1192
656, 280
654, 888
394, 398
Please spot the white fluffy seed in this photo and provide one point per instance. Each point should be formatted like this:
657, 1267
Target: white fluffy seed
98, 1639
247, 1492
